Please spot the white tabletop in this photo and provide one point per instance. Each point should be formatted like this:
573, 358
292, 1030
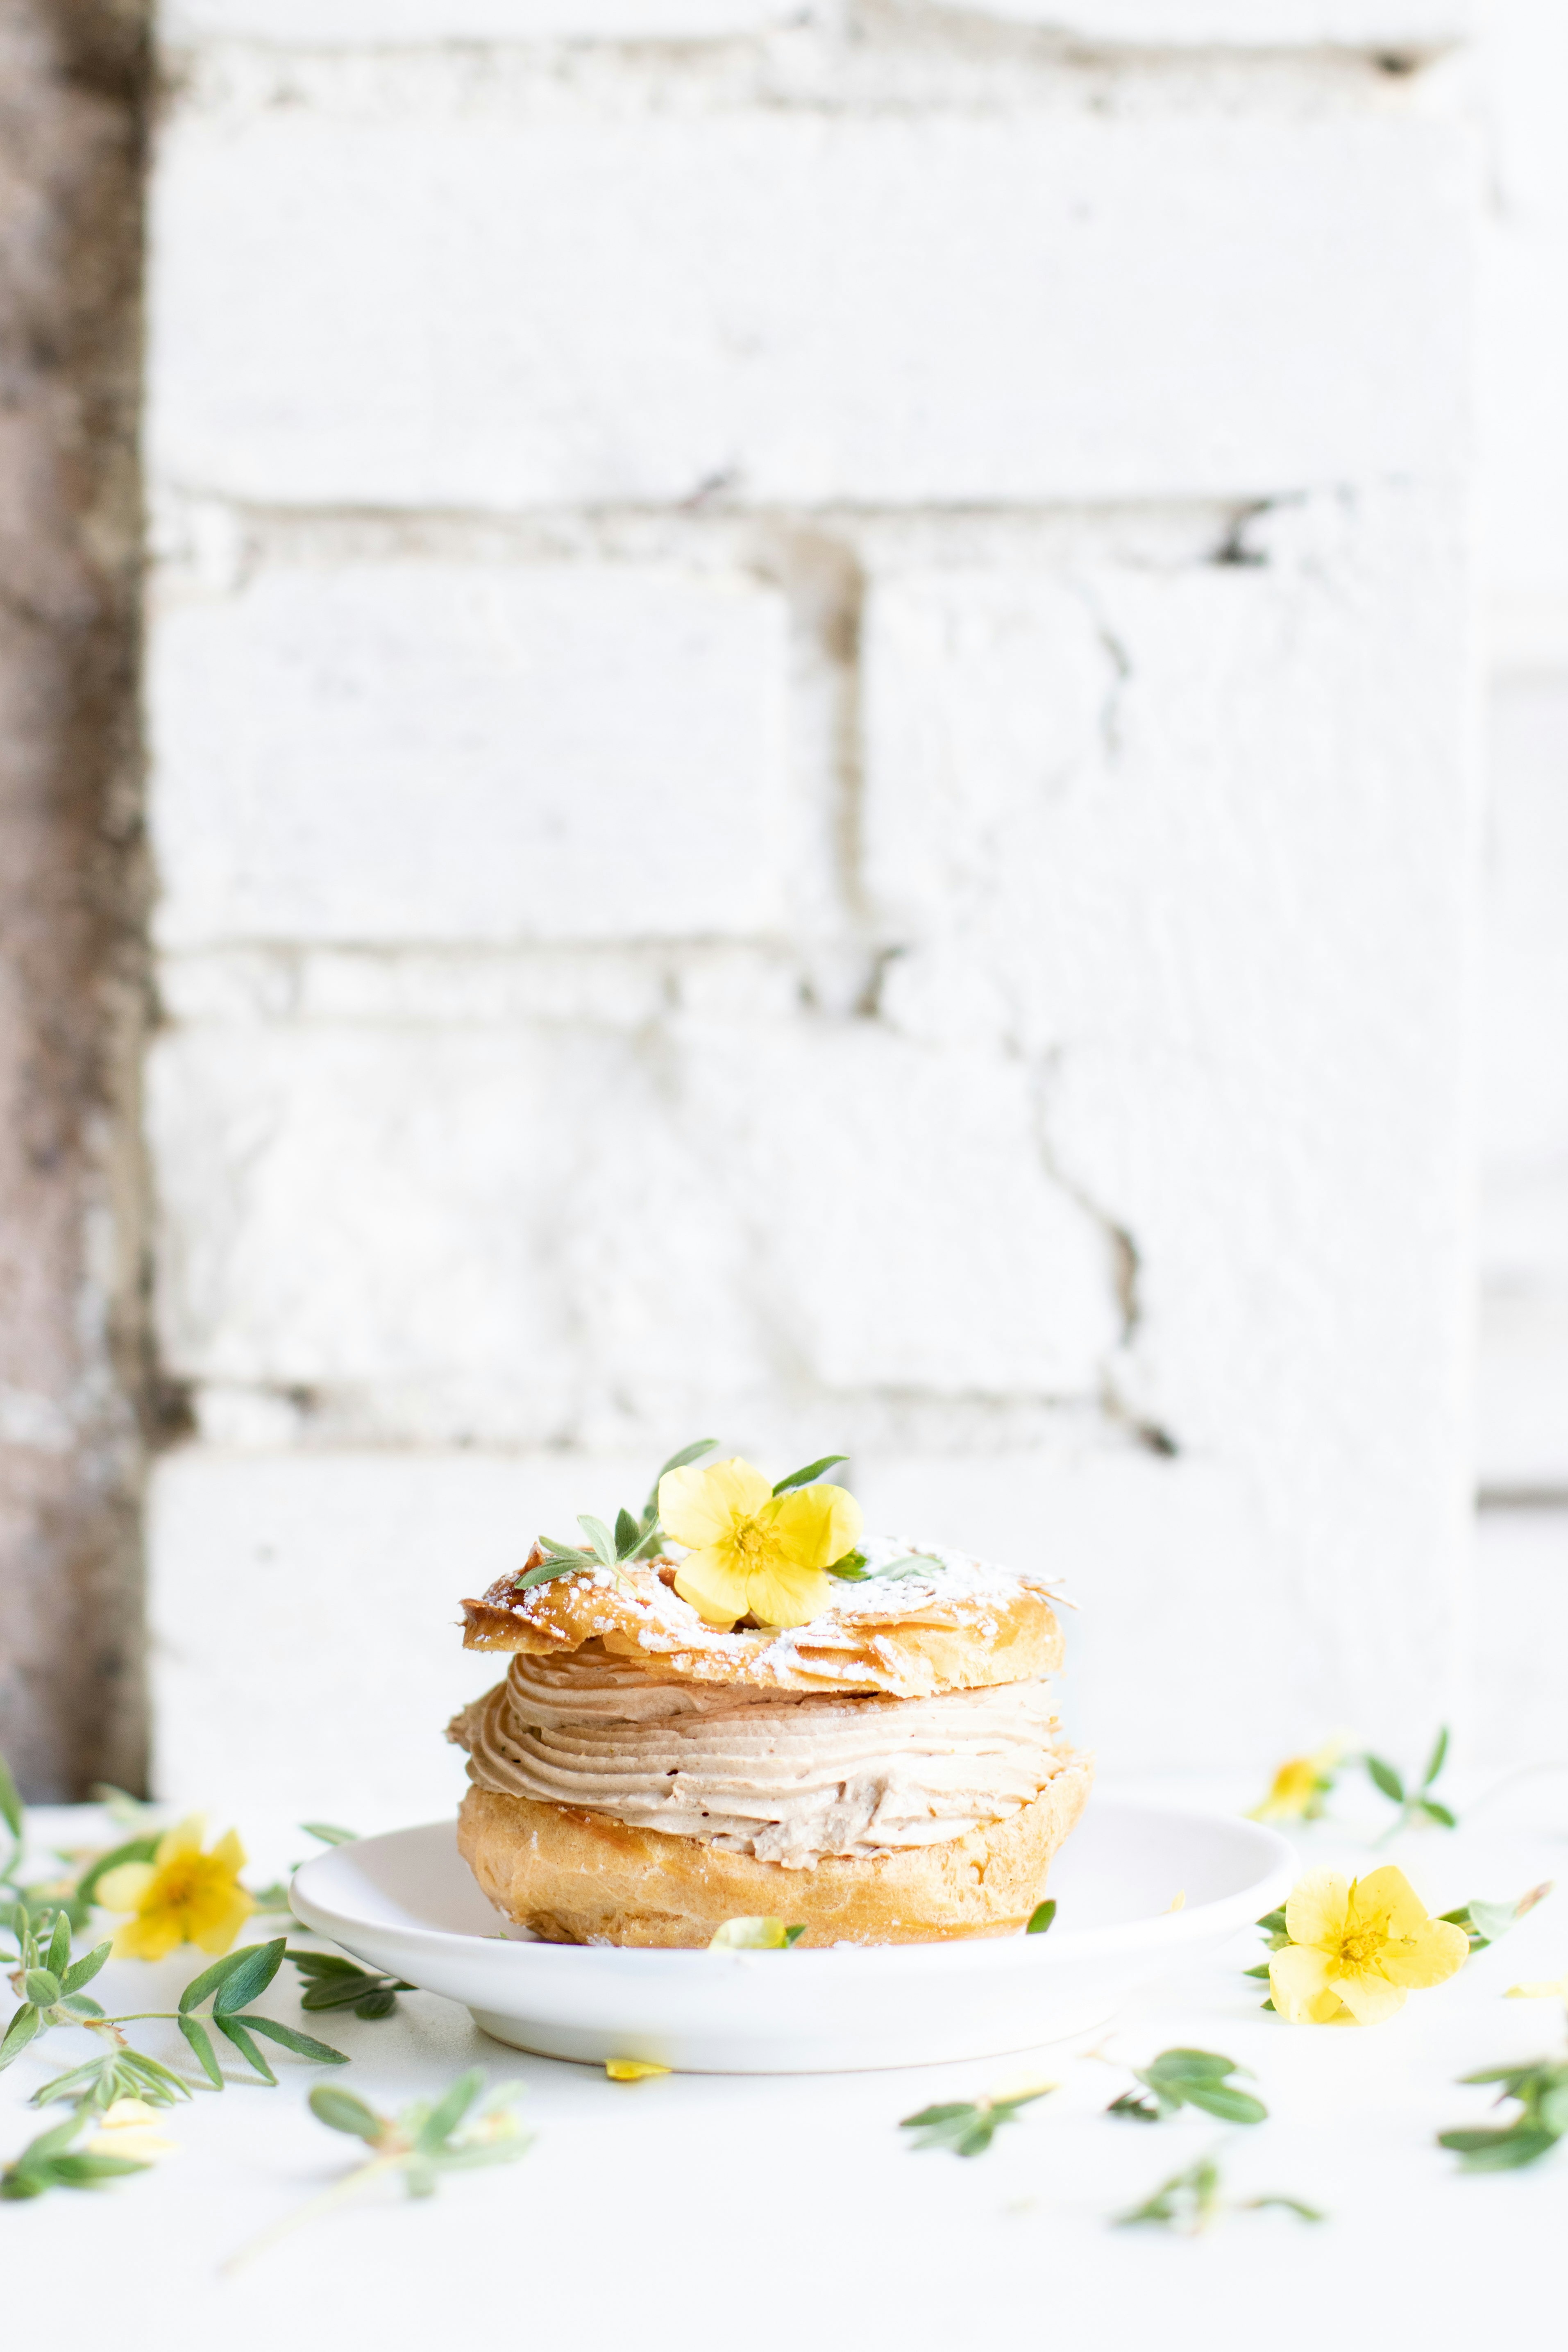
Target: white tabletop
775, 2212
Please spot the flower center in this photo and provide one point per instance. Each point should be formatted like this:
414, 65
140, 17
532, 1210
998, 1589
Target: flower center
1364, 1945
752, 1542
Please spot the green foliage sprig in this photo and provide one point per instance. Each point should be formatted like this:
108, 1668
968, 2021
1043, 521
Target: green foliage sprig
967, 2128
1541, 2092
636, 1537
1190, 2201
1189, 2078
1487, 1923
51, 2161
852, 1568
1415, 1805
50, 1989
333, 1982
421, 2143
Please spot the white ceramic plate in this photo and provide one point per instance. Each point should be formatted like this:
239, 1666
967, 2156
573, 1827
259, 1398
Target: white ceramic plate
405, 1901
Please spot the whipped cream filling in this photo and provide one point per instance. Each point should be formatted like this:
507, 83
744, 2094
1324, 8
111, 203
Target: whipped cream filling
786, 1776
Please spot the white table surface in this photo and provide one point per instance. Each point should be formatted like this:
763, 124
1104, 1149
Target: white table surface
790, 2211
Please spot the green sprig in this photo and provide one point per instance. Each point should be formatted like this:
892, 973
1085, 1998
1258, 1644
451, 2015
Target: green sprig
1189, 2078
967, 2128
1190, 2201
333, 1982
421, 2143
1415, 1803
1542, 2092
51, 2161
1487, 1923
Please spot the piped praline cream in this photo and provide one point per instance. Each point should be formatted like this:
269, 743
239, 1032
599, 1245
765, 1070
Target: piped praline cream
786, 1776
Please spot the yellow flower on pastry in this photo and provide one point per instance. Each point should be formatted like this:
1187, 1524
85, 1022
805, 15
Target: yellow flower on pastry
182, 1896
752, 1551
1357, 1946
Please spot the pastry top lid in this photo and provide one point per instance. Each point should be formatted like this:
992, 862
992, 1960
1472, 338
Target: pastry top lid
908, 1620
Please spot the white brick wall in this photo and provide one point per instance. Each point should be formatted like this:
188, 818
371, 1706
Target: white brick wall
811, 780
434, 752
444, 310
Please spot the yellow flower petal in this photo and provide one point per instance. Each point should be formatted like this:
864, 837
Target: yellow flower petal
212, 1926
1318, 1908
699, 1508
122, 1888
228, 1854
1435, 1951
788, 1596
184, 1838
1386, 1898
147, 1938
1297, 1978
632, 2069
1368, 1996
1557, 1990
713, 1588
813, 1525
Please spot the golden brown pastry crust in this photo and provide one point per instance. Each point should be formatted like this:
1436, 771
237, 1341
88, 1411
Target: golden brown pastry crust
580, 1878
1004, 1631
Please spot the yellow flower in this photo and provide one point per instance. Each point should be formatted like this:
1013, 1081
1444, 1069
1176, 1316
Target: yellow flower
1357, 1947
182, 1896
123, 2131
632, 2070
1300, 1786
752, 1551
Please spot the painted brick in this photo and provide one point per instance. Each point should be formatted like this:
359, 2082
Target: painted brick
333, 24
1419, 25
463, 753
1189, 922
417, 310
324, 1693
545, 1235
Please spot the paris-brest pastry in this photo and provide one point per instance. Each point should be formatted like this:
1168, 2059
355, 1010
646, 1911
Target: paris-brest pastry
736, 1706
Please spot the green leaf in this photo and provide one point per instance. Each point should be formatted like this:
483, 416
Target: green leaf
18, 2034
138, 1849
1190, 2066
792, 1937
81, 2171
548, 1570
209, 1982
233, 2030
10, 1801
1041, 1919
1134, 2107
81, 2004
1499, 2151
329, 1833
41, 1987
1436, 1812
1287, 2204
58, 1958
374, 2004
152, 2079
1225, 2101
1439, 1756
628, 1535
812, 1472
96, 2083
449, 2111
1384, 1777
1260, 1971
1273, 1922
84, 1971
257, 1963
341, 2111
321, 2052
851, 1569
324, 1964
599, 1536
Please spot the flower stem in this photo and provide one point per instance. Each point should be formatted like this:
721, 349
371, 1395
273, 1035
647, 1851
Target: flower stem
339, 2194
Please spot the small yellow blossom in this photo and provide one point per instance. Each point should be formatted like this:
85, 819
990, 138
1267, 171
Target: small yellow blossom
1357, 1947
123, 2131
1300, 1786
632, 2069
754, 1552
182, 1896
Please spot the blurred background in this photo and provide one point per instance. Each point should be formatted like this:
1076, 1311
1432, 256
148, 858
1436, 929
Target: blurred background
839, 723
